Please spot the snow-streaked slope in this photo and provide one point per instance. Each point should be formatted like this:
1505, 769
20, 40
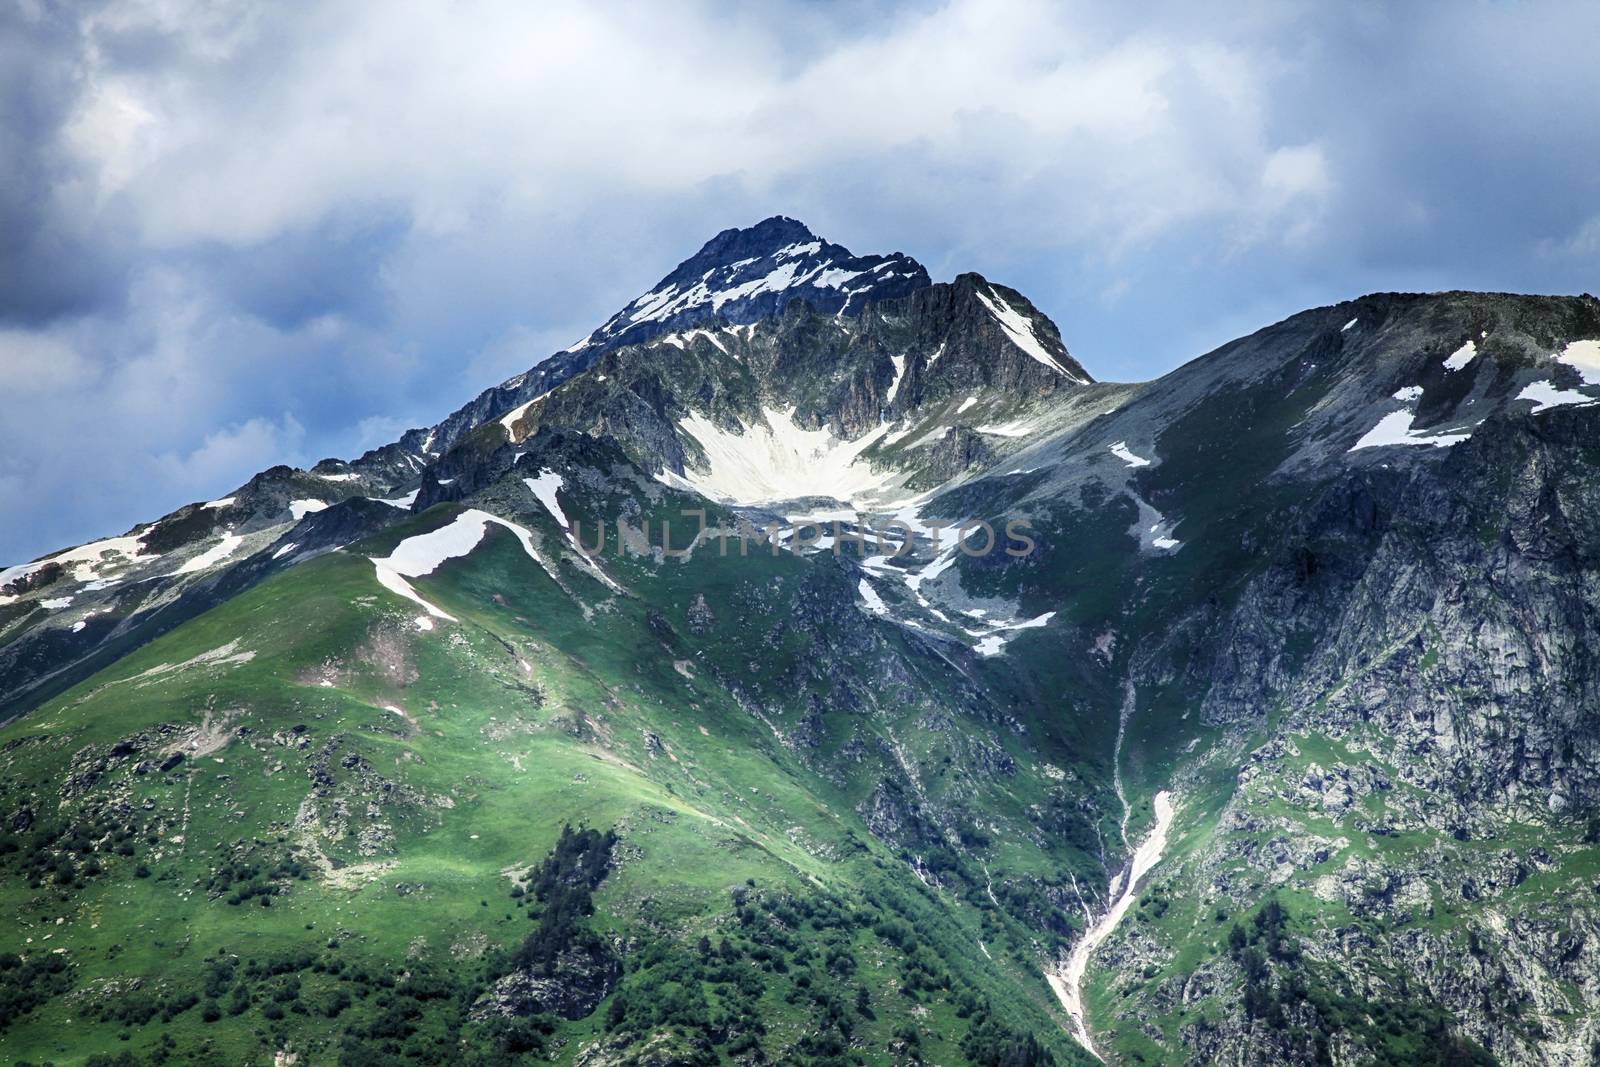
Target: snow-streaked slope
86, 561
745, 274
423, 554
544, 489
514, 416
1581, 356
994, 642
214, 555
1019, 329
775, 459
1067, 982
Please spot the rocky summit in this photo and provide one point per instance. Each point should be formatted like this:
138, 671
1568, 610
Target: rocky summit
816, 664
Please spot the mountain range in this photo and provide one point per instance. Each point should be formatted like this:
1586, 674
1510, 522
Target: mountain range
667, 704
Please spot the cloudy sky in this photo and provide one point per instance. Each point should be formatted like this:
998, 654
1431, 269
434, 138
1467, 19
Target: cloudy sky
239, 234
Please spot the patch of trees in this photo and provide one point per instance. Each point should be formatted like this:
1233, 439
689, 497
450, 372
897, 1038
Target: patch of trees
26, 984
564, 886
805, 951
990, 1044
244, 880
137, 1007
66, 853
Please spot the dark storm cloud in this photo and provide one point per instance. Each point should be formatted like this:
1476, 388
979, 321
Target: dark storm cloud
235, 234
51, 263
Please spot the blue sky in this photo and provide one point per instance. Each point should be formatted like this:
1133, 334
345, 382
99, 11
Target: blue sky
236, 234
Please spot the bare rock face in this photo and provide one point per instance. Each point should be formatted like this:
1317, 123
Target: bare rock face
960, 449
571, 987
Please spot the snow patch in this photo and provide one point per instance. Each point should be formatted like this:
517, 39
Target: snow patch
226, 501
1461, 356
1545, 395
1067, 982
1581, 356
1584, 357
424, 553
895, 435
285, 550
798, 249
835, 277
514, 416
402, 502
994, 642
1120, 450
1395, 429
544, 489
1348, 325
967, 403
85, 560
946, 539
1015, 428
899, 372
709, 336
55, 603
875, 602
299, 509
212, 556
776, 459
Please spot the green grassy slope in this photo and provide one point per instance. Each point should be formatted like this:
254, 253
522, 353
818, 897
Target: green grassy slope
299, 823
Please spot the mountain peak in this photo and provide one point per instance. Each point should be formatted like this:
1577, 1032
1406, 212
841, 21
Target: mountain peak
766, 236
1023, 325
742, 275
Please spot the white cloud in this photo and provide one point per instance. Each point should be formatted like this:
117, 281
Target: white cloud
443, 111
1294, 172
234, 453
1581, 243
375, 431
35, 362
1295, 183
